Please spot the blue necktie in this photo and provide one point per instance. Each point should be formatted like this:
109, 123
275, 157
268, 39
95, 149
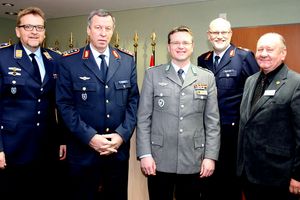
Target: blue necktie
36, 68
103, 67
216, 63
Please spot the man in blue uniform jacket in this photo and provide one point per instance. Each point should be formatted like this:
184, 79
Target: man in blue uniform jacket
231, 67
29, 135
99, 110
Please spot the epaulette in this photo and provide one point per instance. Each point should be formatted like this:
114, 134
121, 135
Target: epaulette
245, 49
55, 50
126, 51
4, 45
71, 52
152, 67
205, 69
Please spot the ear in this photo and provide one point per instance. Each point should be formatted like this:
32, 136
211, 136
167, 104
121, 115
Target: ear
283, 53
168, 47
17, 29
88, 30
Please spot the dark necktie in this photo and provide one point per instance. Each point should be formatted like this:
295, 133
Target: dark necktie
180, 72
216, 62
103, 67
259, 90
36, 68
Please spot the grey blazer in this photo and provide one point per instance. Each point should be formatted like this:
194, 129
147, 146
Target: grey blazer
269, 136
178, 124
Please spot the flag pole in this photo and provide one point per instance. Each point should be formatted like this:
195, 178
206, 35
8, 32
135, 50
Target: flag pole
117, 40
135, 45
153, 44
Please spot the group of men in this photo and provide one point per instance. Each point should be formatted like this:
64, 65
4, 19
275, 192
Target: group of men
212, 131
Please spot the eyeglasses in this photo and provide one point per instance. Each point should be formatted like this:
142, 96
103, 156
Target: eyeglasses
185, 44
29, 27
216, 33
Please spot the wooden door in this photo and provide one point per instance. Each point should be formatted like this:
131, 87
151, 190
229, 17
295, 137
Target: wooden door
247, 37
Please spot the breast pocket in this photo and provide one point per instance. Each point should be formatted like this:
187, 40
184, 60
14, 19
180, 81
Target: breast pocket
13, 85
227, 79
199, 100
122, 89
162, 98
85, 93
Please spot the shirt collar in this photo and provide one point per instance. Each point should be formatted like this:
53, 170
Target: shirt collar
221, 54
96, 53
185, 68
37, 53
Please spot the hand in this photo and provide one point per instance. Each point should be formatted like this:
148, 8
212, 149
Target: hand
2, 160
62, 152
102, 145
207, 168
148, 166
294, 186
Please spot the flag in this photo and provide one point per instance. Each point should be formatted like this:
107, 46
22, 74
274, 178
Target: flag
152, 62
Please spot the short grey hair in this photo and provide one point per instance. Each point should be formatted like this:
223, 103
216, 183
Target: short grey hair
100, 13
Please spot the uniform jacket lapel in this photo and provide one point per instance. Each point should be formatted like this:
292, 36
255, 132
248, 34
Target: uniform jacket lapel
172, 74
190, 77
49, 67
114, 63
90, 63
226, 58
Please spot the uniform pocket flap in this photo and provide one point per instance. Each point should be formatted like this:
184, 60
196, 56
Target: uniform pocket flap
8, 126
9, 80
198, 142
157, 140
162, 92
120, 85
228, 73
85, 86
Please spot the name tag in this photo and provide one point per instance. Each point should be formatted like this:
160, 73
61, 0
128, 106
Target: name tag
269, 93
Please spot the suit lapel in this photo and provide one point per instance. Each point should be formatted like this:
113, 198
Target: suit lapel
277, 82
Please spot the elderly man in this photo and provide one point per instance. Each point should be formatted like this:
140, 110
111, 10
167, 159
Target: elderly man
269, 135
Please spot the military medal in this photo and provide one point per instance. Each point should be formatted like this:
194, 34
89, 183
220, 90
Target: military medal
84, 94
161, 103
13, 89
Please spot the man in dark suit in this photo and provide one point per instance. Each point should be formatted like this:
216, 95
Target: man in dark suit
231, 67
97, 95
269, 135
29, 134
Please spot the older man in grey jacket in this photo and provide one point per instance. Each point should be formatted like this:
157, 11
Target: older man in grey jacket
178, 132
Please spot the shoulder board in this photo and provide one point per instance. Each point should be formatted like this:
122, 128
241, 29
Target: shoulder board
4, 45
70, 52
55, 50
205, 69
153, 67
126, 51
245, 49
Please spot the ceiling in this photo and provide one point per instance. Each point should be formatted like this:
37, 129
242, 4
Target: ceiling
67, 8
